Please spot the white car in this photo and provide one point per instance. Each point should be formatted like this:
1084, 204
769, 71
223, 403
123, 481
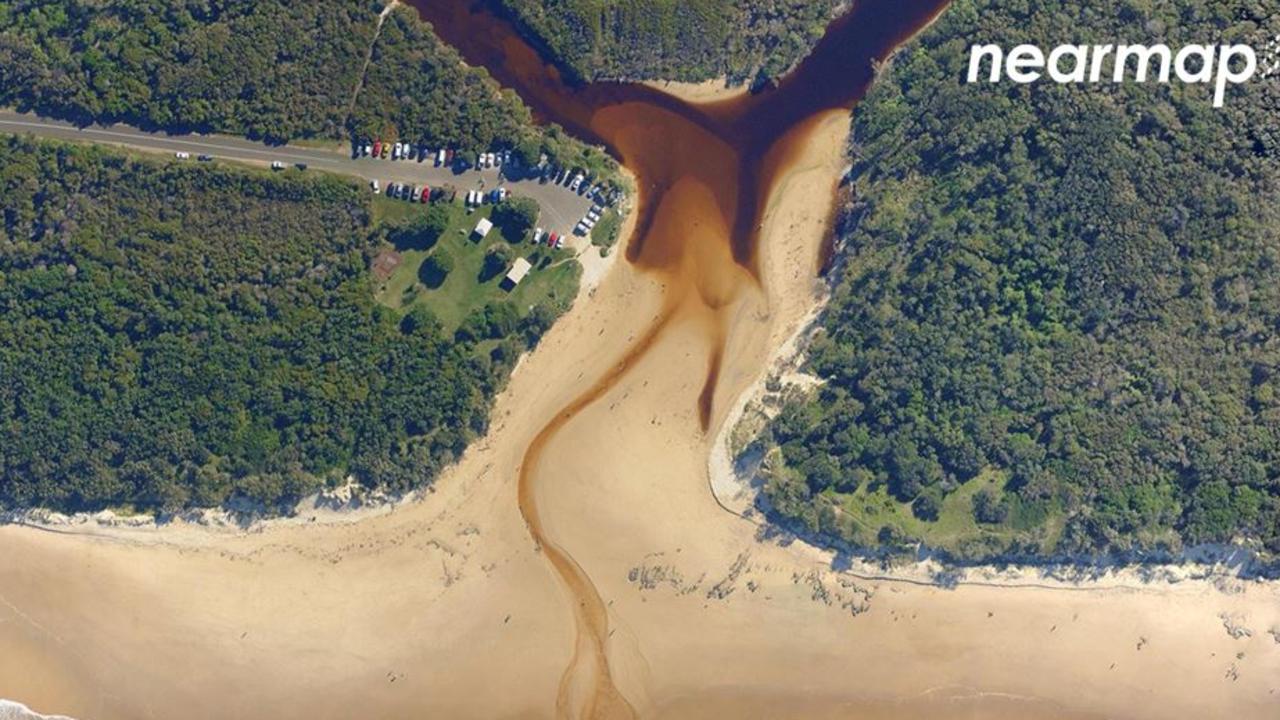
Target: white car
417, 195
537, 235
376, 187
277, 165
577, 183
366, 150
182, 155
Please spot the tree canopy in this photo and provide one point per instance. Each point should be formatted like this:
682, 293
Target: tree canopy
1074, 286
173, 335
693, 40
272, 69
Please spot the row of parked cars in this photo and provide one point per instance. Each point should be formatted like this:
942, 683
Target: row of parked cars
550, 239
413, 193
441, 157
579, 181
589, 220
405, 151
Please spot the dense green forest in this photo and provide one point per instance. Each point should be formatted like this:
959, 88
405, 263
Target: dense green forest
174, 335
266, 69
1057, 306
743, 40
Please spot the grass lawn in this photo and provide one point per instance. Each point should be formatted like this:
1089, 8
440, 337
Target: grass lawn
865, 511
553, 280
605, 233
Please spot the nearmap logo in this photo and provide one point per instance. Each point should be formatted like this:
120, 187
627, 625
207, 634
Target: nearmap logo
1217, 65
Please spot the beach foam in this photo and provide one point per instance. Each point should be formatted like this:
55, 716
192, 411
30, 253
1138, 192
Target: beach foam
11, 710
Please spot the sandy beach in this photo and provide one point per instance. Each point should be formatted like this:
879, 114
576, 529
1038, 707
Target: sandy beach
707, 91
445, 607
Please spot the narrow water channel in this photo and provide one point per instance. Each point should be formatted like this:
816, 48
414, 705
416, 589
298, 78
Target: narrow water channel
737, 149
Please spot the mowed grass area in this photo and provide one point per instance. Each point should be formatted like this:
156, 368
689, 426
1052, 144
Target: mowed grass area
605, 233
553, 281
862, 515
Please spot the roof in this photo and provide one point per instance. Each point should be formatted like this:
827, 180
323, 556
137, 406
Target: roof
483, 227
519, 269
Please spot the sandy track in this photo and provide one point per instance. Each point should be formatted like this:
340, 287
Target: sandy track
445, 608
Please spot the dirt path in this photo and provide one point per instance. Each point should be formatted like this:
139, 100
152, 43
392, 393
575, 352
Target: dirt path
368, 57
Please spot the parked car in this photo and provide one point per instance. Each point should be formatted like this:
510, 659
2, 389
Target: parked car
300, 166
204, 158
277, 165
426, 194
182, 155
375, 186
377, 148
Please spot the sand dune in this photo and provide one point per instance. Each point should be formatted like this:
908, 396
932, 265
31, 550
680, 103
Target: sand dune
447, 608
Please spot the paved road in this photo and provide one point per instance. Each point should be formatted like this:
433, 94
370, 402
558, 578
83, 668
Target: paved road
561, 209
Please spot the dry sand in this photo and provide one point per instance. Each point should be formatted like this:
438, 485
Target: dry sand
444, 607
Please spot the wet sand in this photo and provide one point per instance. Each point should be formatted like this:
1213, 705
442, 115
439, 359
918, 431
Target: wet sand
418, 612
575, 563
707, 91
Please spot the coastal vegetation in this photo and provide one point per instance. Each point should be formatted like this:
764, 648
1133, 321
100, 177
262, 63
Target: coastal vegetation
751, 41
175, 335
272, 70
1052, 324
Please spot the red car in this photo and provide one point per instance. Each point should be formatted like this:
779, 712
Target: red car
426, 194
377, 148
551, 239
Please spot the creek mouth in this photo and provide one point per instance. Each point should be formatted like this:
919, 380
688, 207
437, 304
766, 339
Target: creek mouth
736, 150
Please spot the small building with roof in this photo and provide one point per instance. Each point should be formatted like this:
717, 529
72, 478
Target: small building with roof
519, 269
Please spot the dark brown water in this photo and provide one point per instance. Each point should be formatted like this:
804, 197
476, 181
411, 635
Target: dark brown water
736, 149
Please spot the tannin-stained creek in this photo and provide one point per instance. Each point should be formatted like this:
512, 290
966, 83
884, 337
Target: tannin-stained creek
736, 149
